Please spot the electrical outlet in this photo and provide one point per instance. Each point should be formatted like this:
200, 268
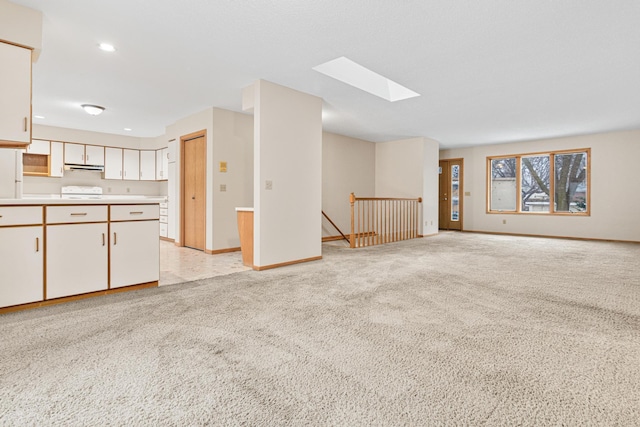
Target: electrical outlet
504, 221
108, 189
467, 193
223, 187
268, 185
128, 190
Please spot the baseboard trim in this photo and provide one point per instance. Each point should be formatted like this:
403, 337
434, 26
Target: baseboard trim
546, 236
221, 251
70, 298
166, 239
332, 238
284, 264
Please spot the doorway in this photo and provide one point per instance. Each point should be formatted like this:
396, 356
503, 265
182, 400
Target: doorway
193, 149
450, 201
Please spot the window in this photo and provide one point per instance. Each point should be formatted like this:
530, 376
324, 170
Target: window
554, 182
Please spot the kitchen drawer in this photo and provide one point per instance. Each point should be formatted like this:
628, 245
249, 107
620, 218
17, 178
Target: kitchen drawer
163, 230
76, 214
164, 205
20, 215
134, 212
164, 211
164, 219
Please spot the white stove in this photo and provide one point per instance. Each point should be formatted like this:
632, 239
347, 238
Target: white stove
81, 192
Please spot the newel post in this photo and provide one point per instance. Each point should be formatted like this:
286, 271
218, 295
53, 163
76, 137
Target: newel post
352, 238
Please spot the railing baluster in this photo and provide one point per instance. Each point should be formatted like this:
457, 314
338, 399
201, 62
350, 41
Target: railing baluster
376, 221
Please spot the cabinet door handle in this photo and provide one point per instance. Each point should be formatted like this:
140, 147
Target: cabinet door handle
136, 213
115, 238
25, 123
102, 239
78, 214
37, 244
87, 156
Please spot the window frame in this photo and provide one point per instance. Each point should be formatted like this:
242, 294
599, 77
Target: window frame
552, 177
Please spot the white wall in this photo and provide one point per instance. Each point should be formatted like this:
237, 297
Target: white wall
21, 25
50, 185
287, 152
409, 168
229, 137
430, 189
202, 120
232, 136
615, 209
348, 166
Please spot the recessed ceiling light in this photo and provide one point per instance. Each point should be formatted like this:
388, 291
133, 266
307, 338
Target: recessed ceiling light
94, 110
38, 117
128, 129
106, 47
356, 75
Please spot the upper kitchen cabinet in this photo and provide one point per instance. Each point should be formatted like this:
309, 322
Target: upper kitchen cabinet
15, 101
112, 163
94, 155
74, 153
147, 165
131, 162
162, 164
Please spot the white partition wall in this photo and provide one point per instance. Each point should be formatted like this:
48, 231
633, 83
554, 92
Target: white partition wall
287, 175
409, 168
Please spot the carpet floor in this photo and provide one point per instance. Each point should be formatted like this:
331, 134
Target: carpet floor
455, 329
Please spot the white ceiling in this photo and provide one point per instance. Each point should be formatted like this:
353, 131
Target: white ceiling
489, 71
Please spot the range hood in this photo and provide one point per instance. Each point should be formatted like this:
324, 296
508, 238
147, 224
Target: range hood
76, 167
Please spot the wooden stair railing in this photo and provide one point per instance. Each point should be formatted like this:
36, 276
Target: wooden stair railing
336, 227
376, 220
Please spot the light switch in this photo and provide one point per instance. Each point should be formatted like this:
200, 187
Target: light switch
223, 166
223, 187
268, 185
467, 193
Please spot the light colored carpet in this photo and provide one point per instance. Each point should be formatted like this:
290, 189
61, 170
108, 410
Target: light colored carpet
457, 329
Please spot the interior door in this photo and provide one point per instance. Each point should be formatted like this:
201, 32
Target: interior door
450, 205
194, 178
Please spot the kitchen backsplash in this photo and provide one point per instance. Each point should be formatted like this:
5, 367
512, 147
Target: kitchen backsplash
46, 185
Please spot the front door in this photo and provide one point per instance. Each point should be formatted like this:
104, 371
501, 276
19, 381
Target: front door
450, 206
193, 194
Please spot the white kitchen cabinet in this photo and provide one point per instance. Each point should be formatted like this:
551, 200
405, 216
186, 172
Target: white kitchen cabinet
171, 201
15, 101
131, 165
74, 153
56, 159
112, 163
162, 164
77, 250
171, 151
39, 146
94, 155
135, 247
21, 255
147, 165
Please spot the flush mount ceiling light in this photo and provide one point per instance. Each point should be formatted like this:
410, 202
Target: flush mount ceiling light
356, 75
106, 47
94, 110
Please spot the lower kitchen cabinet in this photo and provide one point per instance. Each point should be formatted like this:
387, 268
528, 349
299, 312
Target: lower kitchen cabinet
135, 253
21, 261
135, 247
77, 259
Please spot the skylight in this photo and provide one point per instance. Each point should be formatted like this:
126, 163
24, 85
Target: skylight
356, 75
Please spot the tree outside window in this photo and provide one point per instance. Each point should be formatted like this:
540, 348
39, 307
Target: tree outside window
554, 182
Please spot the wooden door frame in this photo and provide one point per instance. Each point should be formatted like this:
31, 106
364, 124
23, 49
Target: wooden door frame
183, 140
460, 190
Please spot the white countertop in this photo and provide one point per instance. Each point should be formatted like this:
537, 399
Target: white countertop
56, 199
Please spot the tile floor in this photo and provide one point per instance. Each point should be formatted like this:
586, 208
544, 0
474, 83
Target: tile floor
179, 264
